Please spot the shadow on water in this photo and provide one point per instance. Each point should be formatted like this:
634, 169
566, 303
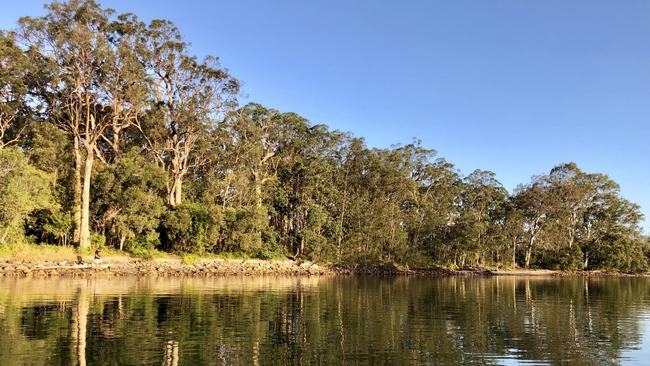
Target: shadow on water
323, 320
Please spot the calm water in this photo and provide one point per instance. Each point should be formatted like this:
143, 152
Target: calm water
339, 321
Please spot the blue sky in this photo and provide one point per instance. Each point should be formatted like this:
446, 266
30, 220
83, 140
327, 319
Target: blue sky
512, 86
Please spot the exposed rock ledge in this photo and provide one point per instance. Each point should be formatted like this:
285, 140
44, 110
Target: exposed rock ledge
173, 267
123, 266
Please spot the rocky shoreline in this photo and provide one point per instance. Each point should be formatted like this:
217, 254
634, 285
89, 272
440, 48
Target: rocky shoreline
159, 267
174, 267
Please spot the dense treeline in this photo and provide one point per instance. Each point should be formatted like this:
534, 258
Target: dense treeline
113, 134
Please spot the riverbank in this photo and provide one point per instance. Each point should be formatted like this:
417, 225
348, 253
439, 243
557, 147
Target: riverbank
175, 266
56, 261
170, 265
125, 266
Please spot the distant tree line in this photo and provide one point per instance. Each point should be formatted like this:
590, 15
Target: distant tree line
113, 134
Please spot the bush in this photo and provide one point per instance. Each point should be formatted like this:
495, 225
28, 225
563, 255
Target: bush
127, 197
622, 254
58, 225
188, 228
98, 240
143, 244
247, 230
23, 189
570, 259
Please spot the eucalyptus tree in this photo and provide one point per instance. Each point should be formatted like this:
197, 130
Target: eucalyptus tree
513, 228
438, 210
15, 74
610, 233
266, 167
483, 198
530, 202
126, 85
93, 84
187, 98
255, 136
302, 200
571, 192
72, 38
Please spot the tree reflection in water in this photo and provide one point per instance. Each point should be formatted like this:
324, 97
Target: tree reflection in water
326, 320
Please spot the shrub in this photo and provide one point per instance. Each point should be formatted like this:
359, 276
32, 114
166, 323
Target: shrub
23, 189
188, 228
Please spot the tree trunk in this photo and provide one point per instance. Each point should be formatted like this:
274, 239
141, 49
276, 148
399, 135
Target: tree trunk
171, 197
84, 235
339, 233
175, 192
115, 142
529, 249
529, 252
258, 189
514, 253
116, 147
76, 199
4, 235
178, 190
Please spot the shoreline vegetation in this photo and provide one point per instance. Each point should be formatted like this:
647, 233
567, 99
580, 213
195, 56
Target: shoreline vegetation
115, 137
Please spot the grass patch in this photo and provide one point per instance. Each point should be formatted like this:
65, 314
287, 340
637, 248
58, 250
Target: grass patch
29, 252
147, 254
230, 255
25, 252
190, 258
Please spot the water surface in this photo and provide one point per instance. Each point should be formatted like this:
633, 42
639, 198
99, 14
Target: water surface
325, 320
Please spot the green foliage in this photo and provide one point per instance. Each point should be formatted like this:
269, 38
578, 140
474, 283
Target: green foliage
190, 258
622, 254
570, 258
53, 226
188, 228
128, 198
143, 245
23, 189
98, 240
247, 231
16, 79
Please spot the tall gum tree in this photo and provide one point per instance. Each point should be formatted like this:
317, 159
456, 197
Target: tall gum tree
126, 83
187, 99
17, 77
530, 201
91, 86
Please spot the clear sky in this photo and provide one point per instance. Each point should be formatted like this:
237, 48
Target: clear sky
511, 86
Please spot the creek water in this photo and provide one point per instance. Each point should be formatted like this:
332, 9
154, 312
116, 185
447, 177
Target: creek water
325, 320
